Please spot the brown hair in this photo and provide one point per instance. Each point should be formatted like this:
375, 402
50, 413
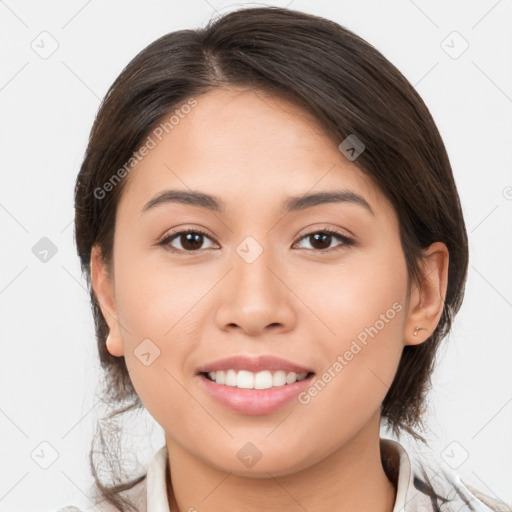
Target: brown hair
351, 88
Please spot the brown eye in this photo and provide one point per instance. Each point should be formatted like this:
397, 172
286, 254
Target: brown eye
190, 240
321, 240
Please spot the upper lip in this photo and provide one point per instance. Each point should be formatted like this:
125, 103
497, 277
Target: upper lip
253, 364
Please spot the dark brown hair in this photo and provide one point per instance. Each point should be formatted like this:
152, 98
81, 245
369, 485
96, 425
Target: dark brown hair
351, 88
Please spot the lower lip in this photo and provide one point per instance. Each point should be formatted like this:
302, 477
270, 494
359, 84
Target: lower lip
255, 401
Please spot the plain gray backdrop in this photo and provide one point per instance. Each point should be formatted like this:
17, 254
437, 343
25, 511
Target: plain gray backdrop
59, 58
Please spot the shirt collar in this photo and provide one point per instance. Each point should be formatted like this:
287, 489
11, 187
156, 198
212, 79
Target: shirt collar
425, 484
410, 491
397, 461
157, 500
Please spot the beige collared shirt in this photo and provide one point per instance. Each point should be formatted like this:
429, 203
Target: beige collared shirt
413, 494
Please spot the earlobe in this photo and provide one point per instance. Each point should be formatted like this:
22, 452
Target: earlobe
102, 285
427, 298
114, 346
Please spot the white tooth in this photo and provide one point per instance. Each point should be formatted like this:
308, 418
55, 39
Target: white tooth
279, 378
230, 378
245, 379
291, 377
263, 380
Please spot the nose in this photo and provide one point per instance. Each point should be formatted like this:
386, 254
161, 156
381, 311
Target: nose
255, 297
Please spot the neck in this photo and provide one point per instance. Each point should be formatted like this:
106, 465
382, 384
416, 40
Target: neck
350, 479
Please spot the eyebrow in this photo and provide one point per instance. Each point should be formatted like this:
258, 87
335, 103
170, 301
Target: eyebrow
291, 204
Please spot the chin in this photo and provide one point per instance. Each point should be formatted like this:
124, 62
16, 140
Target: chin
247, 462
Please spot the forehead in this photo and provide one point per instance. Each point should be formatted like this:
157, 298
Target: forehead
242, 141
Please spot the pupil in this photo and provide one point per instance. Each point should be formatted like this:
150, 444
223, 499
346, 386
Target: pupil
193, 240
323, 236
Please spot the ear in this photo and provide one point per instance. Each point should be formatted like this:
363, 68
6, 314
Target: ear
427, 299
103, 285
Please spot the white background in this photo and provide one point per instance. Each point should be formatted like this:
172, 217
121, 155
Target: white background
49, 369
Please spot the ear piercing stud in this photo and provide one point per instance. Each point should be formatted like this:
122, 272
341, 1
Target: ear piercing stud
415, 333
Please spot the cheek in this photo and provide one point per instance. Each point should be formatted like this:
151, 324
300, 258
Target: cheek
361, 306
366, 290
155, 308
156, 299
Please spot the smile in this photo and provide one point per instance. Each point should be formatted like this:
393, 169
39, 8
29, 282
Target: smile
244, 379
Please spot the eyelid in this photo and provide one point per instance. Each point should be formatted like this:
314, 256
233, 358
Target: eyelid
343, 232
164, 240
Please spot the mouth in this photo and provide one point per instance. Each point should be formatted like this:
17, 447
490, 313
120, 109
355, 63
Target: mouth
254, 385
244, 379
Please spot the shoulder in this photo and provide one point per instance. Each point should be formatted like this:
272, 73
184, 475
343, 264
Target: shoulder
135, 495
147, 491
490, 502
445, 491
424, 484
442, 489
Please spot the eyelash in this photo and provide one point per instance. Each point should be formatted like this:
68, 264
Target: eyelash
347, 242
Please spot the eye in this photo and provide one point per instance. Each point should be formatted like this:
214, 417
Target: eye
322, 239
190, 239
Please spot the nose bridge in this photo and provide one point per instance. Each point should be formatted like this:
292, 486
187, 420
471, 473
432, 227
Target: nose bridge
254, 296
252, 274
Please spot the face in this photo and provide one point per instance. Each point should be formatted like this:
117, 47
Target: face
258, 283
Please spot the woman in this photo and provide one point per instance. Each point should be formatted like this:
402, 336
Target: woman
275, 247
